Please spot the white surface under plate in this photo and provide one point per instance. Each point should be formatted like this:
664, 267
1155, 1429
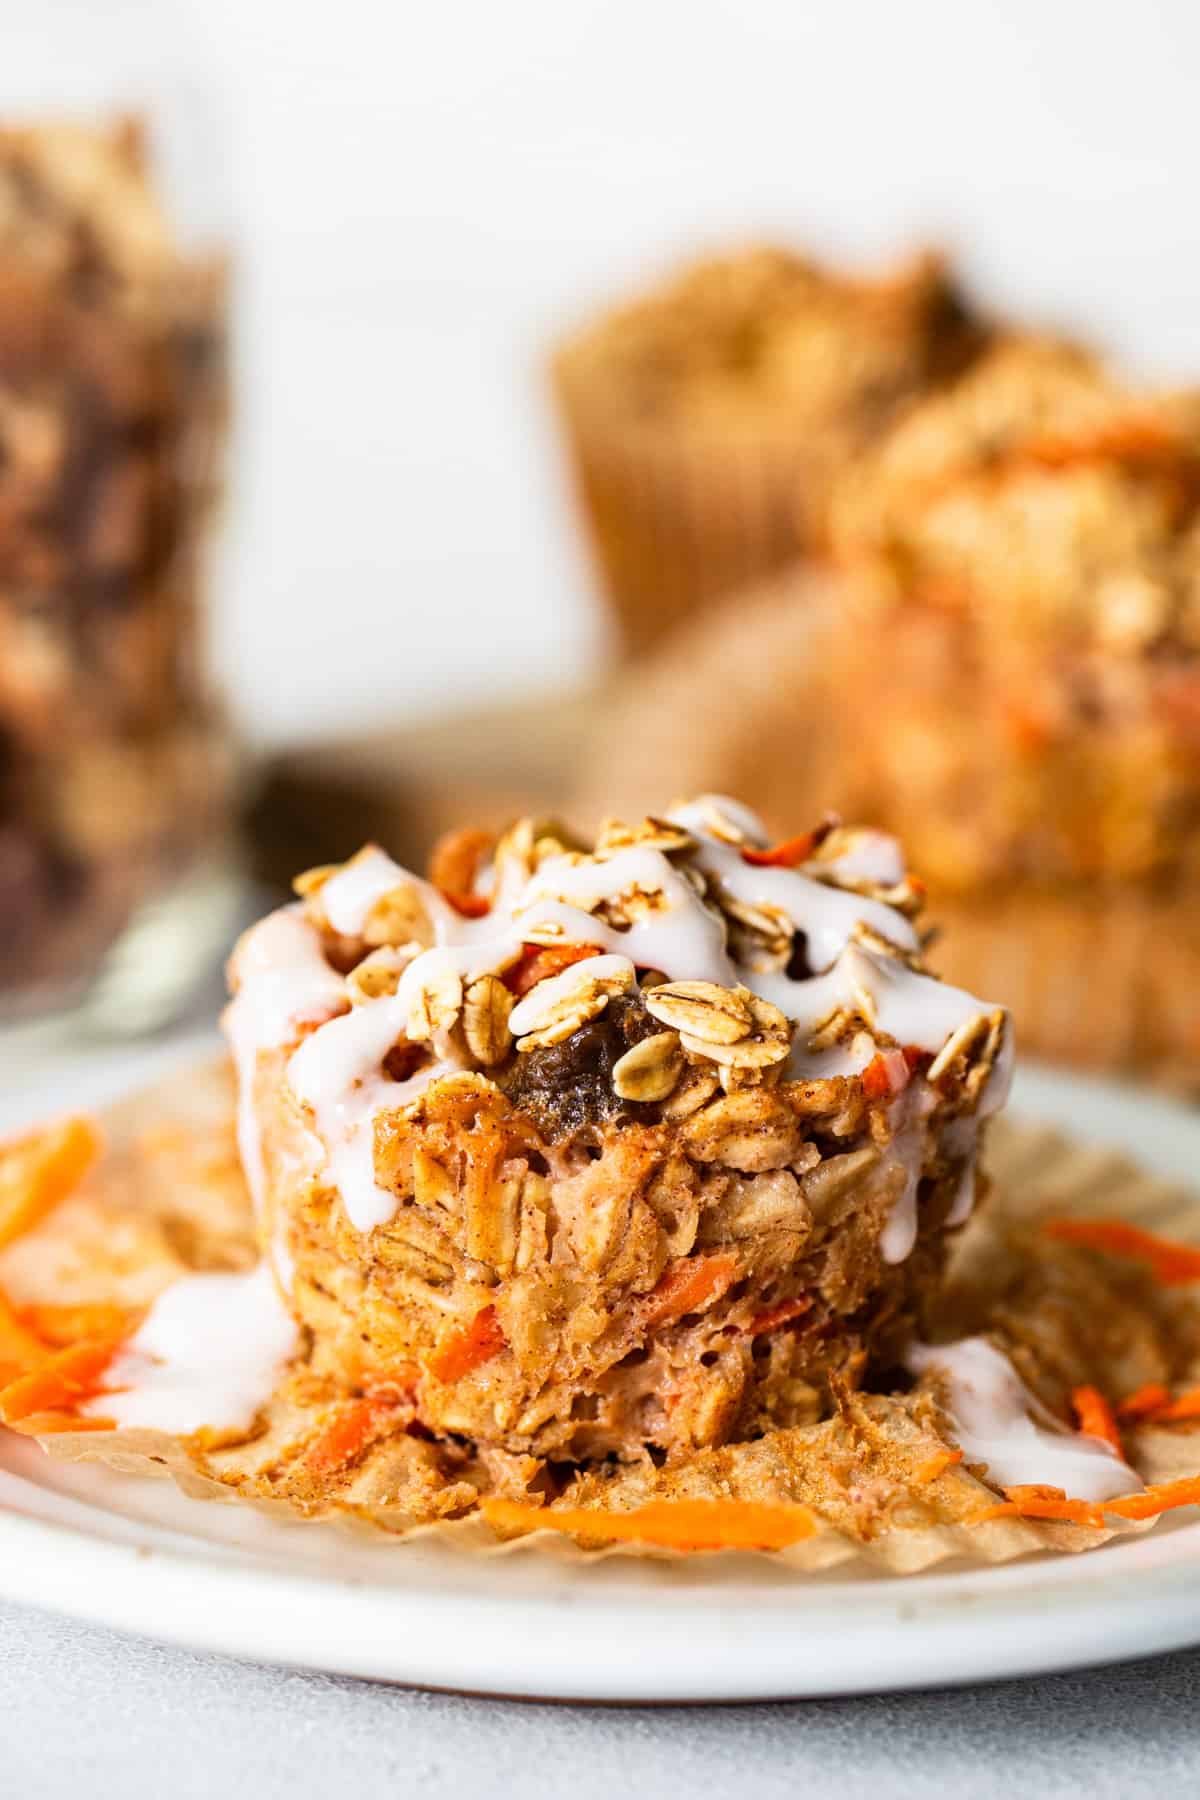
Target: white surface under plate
138, 1555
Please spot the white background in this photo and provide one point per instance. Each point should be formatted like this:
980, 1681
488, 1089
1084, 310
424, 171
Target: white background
423, 193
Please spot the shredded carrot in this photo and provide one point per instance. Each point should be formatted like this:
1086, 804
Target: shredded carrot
671, 1524
1037, 1502
468, 1346
348, 1434
539, 961
887, 1073
983, 1515
1174, 1412
783, 1314
935, 1465
58, 1384
1143, 1401
1160, 1499
1171, 1263
786, 855
20, 1349
1132, 439
876, 1082
687, 1286
1029, 729
469, 906
61, 1326
46, 1424
1096, 1418
453, 866
40, 1169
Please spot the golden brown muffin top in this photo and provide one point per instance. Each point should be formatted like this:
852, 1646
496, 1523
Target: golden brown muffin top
1046, 490
763, 334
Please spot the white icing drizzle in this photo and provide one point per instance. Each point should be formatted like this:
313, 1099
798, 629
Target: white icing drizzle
348, 896
840, 1059
337, 1071
964, 1196
281, 979
209, 1353
682, 937
907, 1116
997, 1421
826, 915
280, 1253
708, 812
870, 856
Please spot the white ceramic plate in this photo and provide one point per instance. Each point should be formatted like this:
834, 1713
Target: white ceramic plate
139, 1556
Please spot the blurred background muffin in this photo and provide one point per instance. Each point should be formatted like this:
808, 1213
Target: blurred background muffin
708, 420
1001, 664
1026, 629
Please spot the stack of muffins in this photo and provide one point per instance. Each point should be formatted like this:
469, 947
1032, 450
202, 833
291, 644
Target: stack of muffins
988, 641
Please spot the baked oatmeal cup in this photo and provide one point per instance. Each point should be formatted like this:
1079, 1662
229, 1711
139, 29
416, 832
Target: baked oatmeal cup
602, 1193
1024, 626
707, 420
613, 1151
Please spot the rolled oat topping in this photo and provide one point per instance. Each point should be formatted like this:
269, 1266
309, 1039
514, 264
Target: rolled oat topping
674, 972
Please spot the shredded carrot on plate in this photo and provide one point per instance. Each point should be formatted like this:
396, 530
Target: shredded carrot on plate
687, 1286
20, 1348
1034, 1501
48, 1424
60, 1325
1154, 1406
1037, 1502
59, 1383
1143, 1401
1160, 1499
1171, 1263
1184, 1406
468, 1346
1095, 1417
671, 1524
935, 1465
40, 1169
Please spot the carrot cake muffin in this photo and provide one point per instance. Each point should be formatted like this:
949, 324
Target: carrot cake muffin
1027, 640
598, 1150
707, 420
604, 1190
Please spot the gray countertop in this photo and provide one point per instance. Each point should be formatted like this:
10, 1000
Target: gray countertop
86, 1710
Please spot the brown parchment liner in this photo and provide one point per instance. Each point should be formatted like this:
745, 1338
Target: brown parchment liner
168, 1198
